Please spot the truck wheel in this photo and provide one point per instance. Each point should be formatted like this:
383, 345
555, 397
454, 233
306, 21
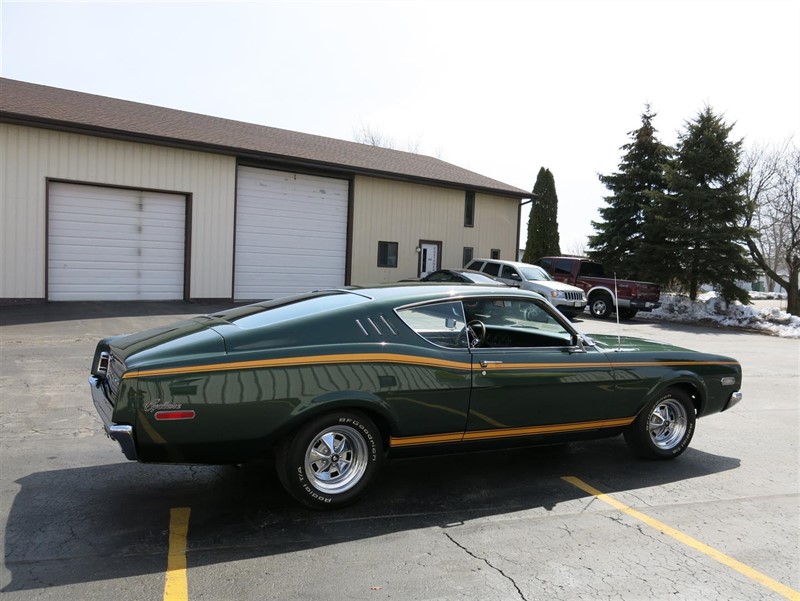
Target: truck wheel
627, 313
601, 305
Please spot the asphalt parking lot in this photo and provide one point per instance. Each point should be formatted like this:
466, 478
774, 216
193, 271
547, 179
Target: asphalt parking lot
584, 521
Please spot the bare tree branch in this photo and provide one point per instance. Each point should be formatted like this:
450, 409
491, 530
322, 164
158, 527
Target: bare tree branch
773, 216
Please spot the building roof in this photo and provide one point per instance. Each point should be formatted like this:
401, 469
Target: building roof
56, 108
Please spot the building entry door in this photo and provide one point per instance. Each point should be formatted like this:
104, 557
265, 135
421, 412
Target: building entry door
429, 257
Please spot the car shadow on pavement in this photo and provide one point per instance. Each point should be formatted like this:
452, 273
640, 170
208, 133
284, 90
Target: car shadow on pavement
112, 521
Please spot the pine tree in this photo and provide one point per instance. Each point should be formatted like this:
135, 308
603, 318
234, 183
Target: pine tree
543, 237
620, 235
695, 234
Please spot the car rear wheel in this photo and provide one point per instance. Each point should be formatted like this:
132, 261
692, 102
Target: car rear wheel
665, 428
601, 305
331, 460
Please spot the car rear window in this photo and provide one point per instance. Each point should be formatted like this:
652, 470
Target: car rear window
292, 307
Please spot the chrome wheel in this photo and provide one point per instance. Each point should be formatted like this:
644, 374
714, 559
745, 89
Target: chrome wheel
664, 428
336, 459
601, 305
667, 424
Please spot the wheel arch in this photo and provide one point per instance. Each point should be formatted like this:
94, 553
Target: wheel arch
372, 406
688, 383
595, 290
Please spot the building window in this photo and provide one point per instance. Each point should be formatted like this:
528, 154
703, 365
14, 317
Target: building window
495, 253
466, 257
387, 254
469, 209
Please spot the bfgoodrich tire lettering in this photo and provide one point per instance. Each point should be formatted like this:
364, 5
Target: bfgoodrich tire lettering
331, 460
664, 428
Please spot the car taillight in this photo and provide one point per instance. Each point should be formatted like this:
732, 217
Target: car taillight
102, 363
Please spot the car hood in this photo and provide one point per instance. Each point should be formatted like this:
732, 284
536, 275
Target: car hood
606, 342
554, 285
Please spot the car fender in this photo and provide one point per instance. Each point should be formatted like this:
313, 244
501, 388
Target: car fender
594, 289
343, 400
685, 378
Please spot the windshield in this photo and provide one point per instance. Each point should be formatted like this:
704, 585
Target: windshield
535, 274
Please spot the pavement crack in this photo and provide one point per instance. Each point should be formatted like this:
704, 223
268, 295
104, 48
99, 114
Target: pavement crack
489, 564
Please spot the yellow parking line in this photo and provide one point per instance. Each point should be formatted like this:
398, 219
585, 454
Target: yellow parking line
176, 586
743, 569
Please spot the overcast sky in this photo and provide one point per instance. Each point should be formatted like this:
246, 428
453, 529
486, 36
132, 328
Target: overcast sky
500, 88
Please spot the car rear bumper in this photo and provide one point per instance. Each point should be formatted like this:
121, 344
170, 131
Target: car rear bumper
639, 305
121, 433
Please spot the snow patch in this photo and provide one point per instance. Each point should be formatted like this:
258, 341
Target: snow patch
711, 309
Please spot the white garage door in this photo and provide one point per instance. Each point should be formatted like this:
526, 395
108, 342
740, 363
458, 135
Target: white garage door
114, 244
291, 233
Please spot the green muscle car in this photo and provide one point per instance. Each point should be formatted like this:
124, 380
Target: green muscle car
332, 382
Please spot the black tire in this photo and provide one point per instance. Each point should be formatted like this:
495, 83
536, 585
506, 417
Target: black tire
601, 305
664, 429
331, 460
627, 313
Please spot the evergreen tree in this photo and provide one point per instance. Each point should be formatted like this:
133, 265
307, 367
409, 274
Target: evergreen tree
620, 235
695, 235
543, 238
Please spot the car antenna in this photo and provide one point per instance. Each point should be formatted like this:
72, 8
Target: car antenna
616, 310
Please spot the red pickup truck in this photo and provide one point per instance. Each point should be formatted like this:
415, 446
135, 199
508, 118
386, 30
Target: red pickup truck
605, 295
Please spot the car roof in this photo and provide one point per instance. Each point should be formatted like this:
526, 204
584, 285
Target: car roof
412, 292
505, 262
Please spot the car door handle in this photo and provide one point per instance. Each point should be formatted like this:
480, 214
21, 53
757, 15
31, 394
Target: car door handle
487, 363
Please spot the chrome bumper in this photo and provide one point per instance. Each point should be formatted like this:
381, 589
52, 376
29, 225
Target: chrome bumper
736, 397
122, 434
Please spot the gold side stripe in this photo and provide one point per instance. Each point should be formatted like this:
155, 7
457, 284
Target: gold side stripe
408, 441
514, 366
673, 363
393, 358
302, 361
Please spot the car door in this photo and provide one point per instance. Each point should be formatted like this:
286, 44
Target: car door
509, 275
531, 377
431, 379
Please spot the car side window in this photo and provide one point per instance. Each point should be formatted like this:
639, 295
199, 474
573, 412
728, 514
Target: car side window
441, 324
545, 264
475, 265
591, 269
510, 273
517, 323
440, 276
491, 268
563, 267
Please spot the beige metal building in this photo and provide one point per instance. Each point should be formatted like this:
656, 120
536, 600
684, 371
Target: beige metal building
105, 199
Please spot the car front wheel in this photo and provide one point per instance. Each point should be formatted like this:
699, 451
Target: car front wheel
331, 460
665, 428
